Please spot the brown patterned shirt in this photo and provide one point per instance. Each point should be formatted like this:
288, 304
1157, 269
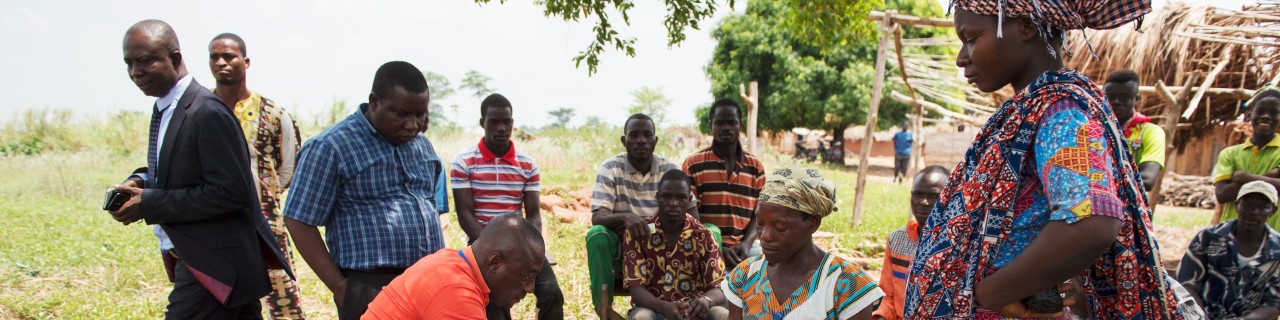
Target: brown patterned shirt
672, 272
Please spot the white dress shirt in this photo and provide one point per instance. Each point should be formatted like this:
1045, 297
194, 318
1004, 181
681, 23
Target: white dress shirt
165, 106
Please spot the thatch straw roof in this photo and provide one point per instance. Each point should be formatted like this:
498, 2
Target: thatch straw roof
1182, 45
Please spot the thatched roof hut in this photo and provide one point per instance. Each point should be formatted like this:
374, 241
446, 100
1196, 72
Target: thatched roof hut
1209, 58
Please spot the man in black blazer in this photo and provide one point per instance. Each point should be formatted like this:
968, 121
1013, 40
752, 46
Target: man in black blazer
197, 186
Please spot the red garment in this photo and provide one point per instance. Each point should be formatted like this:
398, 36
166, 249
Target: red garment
443, 285
1137, 119
497, 183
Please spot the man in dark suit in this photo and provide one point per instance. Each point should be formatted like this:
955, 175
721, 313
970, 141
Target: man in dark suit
197, 186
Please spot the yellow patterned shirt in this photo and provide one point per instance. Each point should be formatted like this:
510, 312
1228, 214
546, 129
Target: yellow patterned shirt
273, 141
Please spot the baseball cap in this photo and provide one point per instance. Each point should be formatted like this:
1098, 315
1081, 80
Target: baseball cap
1261, 187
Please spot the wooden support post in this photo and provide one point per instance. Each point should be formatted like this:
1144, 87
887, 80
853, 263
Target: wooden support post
886, 27
1170, 128
751, 96
917, 151
917, 145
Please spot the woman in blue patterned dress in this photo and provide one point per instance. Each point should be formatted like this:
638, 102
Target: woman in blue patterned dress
1046, 192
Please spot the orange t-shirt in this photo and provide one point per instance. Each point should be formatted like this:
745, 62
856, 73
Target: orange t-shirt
444, 285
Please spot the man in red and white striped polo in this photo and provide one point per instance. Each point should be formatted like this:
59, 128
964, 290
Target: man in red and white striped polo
492, 178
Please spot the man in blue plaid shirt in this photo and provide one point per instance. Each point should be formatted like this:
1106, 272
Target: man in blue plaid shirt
372, 181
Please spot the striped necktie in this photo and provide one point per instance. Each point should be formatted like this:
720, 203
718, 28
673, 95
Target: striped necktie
156, 114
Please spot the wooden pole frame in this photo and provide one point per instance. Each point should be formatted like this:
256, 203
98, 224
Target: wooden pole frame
886, 29
751, 96
897, 19
917, 149
1208, 81
933, 107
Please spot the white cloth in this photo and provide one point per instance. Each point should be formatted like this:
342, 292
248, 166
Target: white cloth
1250, 260
1186, 303
165, 106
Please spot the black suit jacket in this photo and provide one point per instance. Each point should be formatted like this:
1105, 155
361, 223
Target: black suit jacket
205, 199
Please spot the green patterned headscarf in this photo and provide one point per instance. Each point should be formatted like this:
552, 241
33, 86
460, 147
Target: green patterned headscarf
801, 189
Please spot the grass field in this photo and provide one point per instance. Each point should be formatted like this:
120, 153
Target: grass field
63, 258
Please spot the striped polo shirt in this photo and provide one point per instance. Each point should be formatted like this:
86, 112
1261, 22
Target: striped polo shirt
899, 251
621, 188
497, 183
727, 199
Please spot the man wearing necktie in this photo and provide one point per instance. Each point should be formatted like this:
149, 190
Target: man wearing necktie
197, 187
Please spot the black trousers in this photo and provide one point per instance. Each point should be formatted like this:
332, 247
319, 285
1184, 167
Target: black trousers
190, 300
900, 163
362, 287
546, 289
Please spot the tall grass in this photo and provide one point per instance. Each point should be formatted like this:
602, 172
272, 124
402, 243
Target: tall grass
35, 131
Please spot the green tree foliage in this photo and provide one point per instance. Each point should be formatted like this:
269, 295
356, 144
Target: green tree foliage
703, 114
440, 90
561, 117
651, 102
828, 23
805, 80
477, 83
596, 122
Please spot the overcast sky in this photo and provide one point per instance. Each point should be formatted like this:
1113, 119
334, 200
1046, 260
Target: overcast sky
306, 54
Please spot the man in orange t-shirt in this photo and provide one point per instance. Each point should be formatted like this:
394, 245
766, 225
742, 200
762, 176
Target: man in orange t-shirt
900, 250
454, 284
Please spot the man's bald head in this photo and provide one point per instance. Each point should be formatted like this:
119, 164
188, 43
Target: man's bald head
928, 187
510, 252
153, 57
158, 31
510, 233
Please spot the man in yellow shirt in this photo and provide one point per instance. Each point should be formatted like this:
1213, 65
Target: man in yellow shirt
1146, 139
1254, 160
273, 142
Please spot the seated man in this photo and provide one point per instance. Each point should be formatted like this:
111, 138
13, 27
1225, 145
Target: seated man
670, 270
499, 267
901, 247
1233, 268
624, 194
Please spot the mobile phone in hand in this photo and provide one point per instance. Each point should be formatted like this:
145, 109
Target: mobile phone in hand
1048, 301
114, 200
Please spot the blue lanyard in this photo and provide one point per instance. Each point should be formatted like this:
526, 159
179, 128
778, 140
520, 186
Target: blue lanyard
464, 258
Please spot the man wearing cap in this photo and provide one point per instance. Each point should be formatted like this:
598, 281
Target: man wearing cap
1232, 268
